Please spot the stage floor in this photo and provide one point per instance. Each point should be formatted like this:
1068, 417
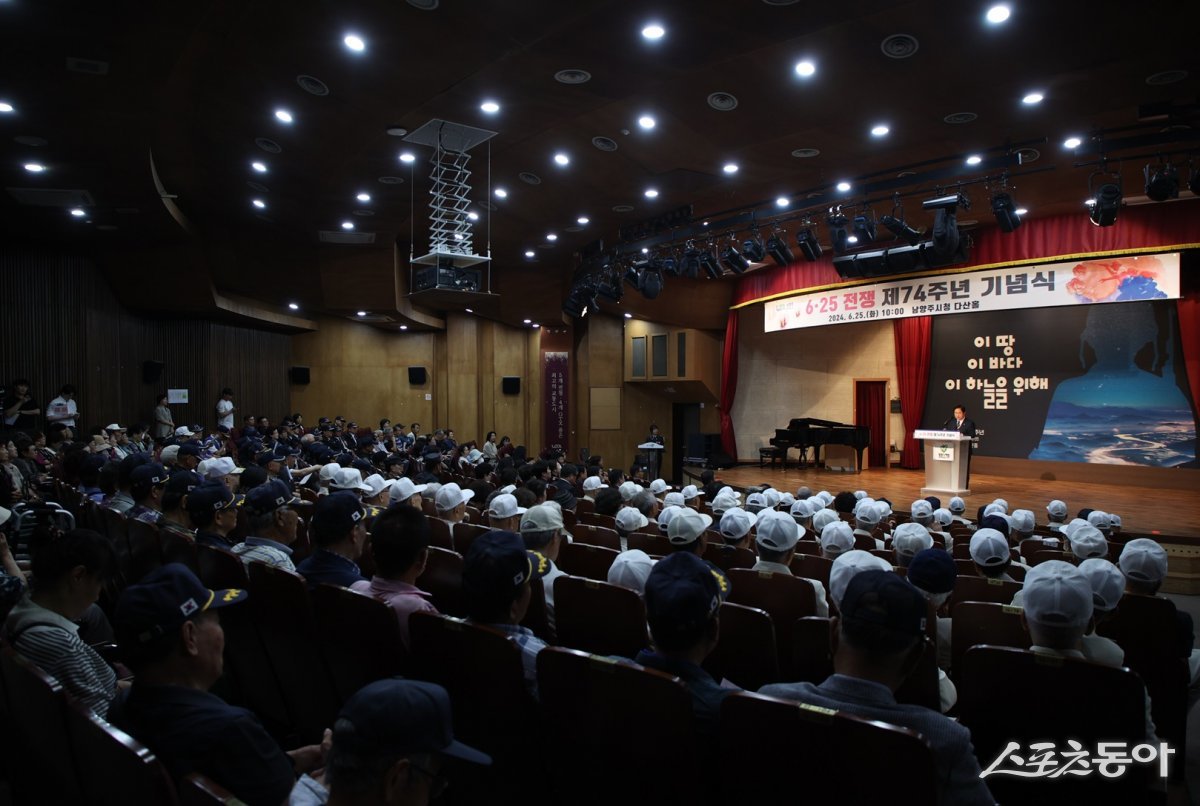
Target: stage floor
1142, 509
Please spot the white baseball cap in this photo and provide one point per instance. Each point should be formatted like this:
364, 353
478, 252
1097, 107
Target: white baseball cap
1057, 593
837, 537
664, 517
630, 519
957, 504
673, 500
1143, 560
404, 489
847, 565
777, 531
169, 454
786, 499
1072, 525
921, 509
727, 490
451, 495
505, 506
689, 492
756, 500
687, 526
508, 488
736, 523
631, 569
348, 478
181, 431
994, 509
1087, 542
860, 495
659, 486
723, 503
943, 516
628, 490
116, 427
1107, 581
822, 518
867, 512
220, 467
989, 548
592, 483
1022, 520
378, 484
1000, 502
909, 538
772, 496
329, 471
1100, 520
1057, 508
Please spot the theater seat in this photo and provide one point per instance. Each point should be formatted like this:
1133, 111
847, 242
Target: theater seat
812, 649
812, 566
596, 536
199, 790
598, 617
442, 579
785, 598
463, 534
982, 589
440, 534
359, 637
40, 762
115, 768
978, 622
583, 560
654, 544
728, 557
746, 653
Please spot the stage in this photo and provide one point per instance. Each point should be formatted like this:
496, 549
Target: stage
1142, 509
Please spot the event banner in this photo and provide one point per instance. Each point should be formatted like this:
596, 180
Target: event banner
554, 412
1047, 285
1082, 383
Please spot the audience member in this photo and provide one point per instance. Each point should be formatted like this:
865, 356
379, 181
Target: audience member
910, 538
543, 532
1108, 586
405, 493
213, 510
400, 546
631, 569
503, 513
837, 538
271, 523
339, 534
735, 526
686, 531
451, 502
1144, 563
776, 537
991, 554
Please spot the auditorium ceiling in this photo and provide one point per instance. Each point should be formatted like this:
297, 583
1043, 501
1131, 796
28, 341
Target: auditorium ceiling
157, 125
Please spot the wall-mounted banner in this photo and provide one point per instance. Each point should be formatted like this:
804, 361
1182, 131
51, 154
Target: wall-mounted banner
555, 413
1047, 285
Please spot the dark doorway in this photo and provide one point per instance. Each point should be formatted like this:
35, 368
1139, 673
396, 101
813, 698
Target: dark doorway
871, 410
685, 422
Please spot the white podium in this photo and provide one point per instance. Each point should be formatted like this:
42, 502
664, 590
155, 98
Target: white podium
946, 456
653, 451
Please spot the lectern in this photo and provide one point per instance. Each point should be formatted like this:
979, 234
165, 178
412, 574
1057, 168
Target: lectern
653, 453
946, 455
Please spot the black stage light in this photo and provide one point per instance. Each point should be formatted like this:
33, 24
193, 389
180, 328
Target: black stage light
837, 232
753, 249
1162, 181
945, 233
1194, 181
669, 266
691, 263
806, 239
778, 249
1106, 203
1005, 210
652, 282
709, 263
948, 202
733, 260
900, 229
577, 303
864, 228
632, 276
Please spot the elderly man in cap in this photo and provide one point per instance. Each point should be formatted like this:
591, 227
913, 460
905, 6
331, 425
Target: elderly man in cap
213, 511
271, 525
504, 514
631, 569
735, 526
405, 493
188, 457
400, 546
543, 531
932, 573
176, 519
991, 555
878, 640
591, 486
683, 597
339, 533
836, 538
958, 508
909, 539
497, 573
1144, 563
1108, 586
390, 745
685, 532
170, 635
867, 517
451, 502
777, 534
147, 484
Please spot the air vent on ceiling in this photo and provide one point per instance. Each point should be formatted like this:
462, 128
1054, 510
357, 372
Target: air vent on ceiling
391, 180
899, 46
960, 117
259, 186
572, 76
622, 208
804, 153
396, 131
1027, 155
51, 197
1167, 77
90, 66
341, 236
723, 101
573, 229
364, 213
529, 178
30, 140
545, 246
424, 5
313, 85
270, 146
371, 317
605, 143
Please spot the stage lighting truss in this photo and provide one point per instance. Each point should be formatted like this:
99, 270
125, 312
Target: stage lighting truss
864, 226
1005, 210
753, 249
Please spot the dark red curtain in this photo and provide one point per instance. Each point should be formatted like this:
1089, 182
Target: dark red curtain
729, 377
914, 340
1189, 335
871, 410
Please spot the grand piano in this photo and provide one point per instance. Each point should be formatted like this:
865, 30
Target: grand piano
808, 432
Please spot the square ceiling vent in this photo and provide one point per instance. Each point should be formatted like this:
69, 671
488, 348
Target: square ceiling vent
345, 237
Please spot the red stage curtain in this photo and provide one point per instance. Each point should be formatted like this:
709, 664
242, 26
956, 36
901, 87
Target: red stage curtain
729, 377
914, 342
871, 408
1189, 335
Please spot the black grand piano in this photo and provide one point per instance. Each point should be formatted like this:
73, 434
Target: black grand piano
808, 432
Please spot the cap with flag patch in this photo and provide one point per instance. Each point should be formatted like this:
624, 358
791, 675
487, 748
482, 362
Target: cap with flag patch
162, 602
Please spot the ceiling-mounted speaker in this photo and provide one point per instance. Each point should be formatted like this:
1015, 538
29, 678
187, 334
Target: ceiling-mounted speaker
416, 376
510, 385
299, 375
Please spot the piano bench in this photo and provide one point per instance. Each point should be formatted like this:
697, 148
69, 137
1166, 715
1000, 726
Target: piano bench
769, 454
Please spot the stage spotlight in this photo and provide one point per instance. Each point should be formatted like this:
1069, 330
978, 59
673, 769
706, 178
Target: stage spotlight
945, 232
778, 249
690, 266
669, 266
806, 239
576, 305
864, 227
1105, 199
1005, 210
753, 249
1194, 181
708, 262
733, 260
632, 277
837, 231
900, 229
652, 282
1162, 181
951, 202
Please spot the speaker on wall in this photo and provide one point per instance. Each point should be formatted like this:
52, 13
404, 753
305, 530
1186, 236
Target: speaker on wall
151, 371
510, 385
299, 375
416, 376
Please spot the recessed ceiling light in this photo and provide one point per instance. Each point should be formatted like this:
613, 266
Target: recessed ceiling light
491, 107
293, 306
34, 167
363, 197
645, 250
347, 225
78, 213
1072, 142
535, 324
283, 116
654, 31
6, 107
730, 167
473, 216
843, 186
974, 159
404, 327
1089, 202
362, 313
355, 43
551, 237
651, 193
628, 316
805, 69
468, 310
1021, 211
646, 122
260, 167
782, 201
852, 239
501, 193
259, 203
407, 157
1032, 98
998, 14
561, 159
582, 219
529, 253
527, 321
880, 130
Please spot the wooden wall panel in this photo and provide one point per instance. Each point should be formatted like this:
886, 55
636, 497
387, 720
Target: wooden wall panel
510, 413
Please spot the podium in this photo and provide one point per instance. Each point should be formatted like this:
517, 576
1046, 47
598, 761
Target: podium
653, 453
946, 457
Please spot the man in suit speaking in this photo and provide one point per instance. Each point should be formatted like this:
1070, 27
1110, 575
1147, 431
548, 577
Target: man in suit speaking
960, 423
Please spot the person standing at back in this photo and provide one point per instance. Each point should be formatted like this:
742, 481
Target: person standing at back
225, 408
63, 409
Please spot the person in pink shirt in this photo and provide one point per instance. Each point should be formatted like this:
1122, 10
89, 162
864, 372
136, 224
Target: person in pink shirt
400, 545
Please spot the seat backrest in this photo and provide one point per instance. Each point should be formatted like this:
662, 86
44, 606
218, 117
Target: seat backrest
812, 649
656, 544
117, 769
596, 536
200, 790
439, 534
442, 578
145, 554
966, 568
728, 557
785, 598
1044, 556
812, 566
887, 554
40, 766
982, 589
584, 560
177, 548
463, 534
829, 751
219, 568
980, 622
864, 542
613, 729
596, 519
359, 637
808, 547
597, 617
746, 653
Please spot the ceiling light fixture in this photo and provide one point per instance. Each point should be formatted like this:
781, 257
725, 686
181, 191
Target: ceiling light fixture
527, 321
35, 167
355, 43
805, 68
654, 32
651, 193
562, 159
1072, 142
998, 14
473, 216
1022, 211
646, 122
78, 213
551, 237
628, 316
362, 313
782, 201
404, 327
259, 203
260, 167
347, 225
407, 157
293, 306
974, 159
880, 130
582, 220
1106, 198
6, 107
283, 116
843, 187
853, 239
730, 168
501, 193
529, 253
1032, 98
363, 197
490, 107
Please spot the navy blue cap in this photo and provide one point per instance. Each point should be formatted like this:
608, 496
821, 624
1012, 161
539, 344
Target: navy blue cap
363, 466
934, 501
265, 457
189, 449
131, 463
683, 592
268, 497
497, 564
886, 600
395, 459
95, 462
163, 601
147, 476
337, 512
183, 482
249, 431
933, 571
212, 496
344, 459
323, 421
997, 522
408, 717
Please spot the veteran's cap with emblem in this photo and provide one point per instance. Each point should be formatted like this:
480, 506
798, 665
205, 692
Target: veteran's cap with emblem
162, 602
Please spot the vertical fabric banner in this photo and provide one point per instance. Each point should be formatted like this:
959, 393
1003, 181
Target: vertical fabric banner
554, 411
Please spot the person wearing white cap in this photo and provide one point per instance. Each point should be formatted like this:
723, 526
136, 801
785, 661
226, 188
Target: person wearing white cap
686, 531
1000, 502
543, 531
772, 495
786, 500
1100, 520
348, 479
942, 518
378, 496
802, 512
630, 570
908, 539
630, 520
991, 554
673, 499
659, 486
823, 518
847, 565
723, 503
957, 507
325, 477
406, 493
504, 514
921, 512
866, 519
776, 535
628, 490
735, 526
837, 538
645, 503
1087, 541
183, 432
592, 485
1108, 586
1021, 525
1056, 511
451, 502
689, 493
1144, 563
1114, 523
224, 470
860, 495
755, 502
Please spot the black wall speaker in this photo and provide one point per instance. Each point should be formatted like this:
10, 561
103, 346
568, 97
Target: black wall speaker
299, 375
510, 385
151, 371
416, 376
